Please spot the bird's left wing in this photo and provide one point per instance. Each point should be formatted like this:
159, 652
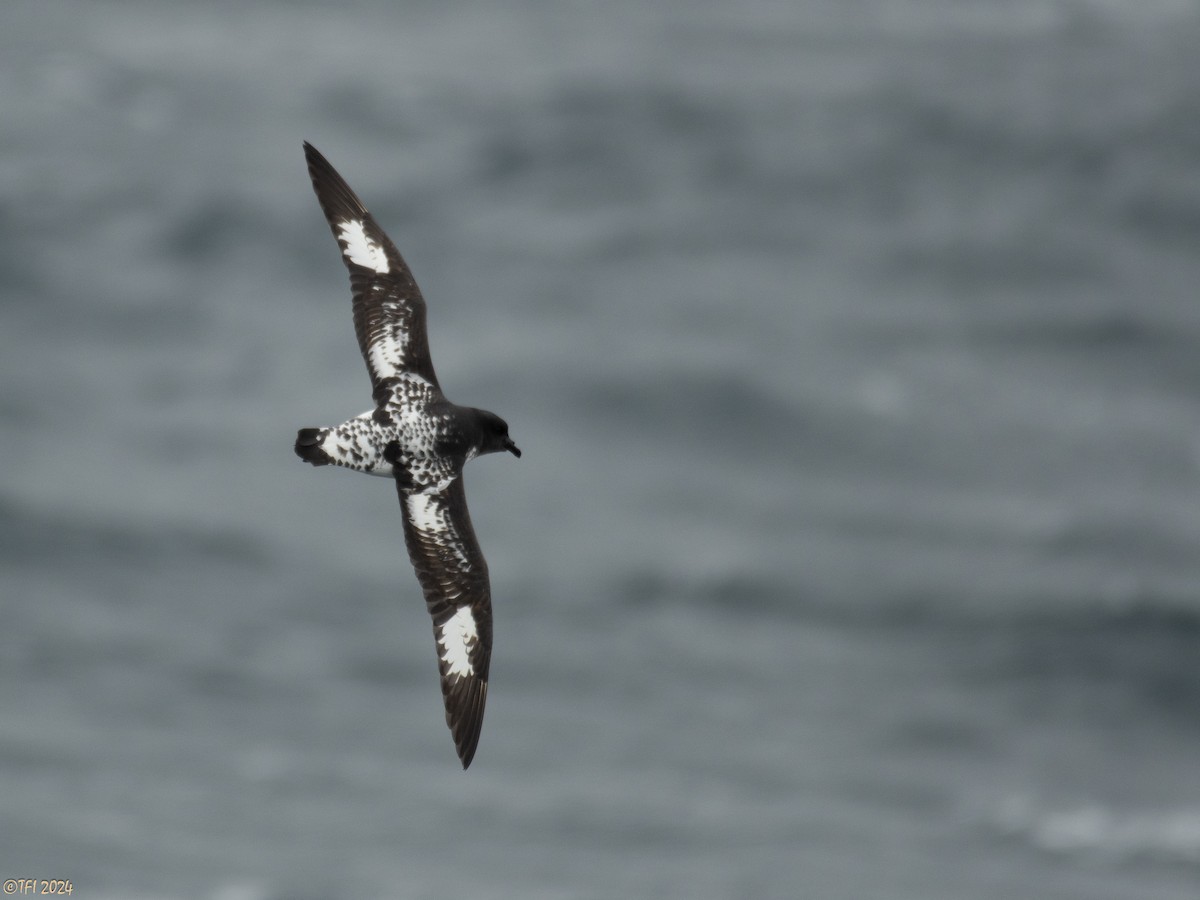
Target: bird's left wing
389, 311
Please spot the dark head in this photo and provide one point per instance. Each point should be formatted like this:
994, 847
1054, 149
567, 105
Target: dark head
494, 436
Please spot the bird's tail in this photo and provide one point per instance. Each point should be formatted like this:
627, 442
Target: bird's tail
308, 446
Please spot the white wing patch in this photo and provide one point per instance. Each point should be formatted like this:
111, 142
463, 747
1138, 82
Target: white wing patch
360, 249
432, 519
426, 515
456, 638
387, 352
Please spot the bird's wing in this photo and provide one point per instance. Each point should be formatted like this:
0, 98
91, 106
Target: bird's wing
389, 312
454, 577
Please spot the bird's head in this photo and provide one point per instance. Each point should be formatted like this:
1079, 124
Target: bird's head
495, 434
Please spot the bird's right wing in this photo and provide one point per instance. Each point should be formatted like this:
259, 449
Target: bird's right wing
454, 578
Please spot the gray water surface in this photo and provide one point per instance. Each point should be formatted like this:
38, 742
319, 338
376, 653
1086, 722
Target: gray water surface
854, 349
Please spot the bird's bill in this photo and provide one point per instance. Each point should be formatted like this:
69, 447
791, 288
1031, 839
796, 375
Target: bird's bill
512, 448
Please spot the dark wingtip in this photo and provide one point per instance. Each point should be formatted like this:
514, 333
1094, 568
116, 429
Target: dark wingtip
333, 193
313, 155
465, 702
466, 738
318, 166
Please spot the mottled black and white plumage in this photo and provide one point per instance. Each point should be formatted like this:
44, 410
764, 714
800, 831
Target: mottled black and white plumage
421, 440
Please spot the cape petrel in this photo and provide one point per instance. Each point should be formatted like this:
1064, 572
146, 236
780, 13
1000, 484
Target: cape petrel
420, 440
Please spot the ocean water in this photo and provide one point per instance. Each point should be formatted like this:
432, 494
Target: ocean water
854, 349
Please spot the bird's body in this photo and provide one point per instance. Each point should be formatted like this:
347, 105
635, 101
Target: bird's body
421, 440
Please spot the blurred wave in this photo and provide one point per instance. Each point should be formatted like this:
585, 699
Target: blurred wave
853, 354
